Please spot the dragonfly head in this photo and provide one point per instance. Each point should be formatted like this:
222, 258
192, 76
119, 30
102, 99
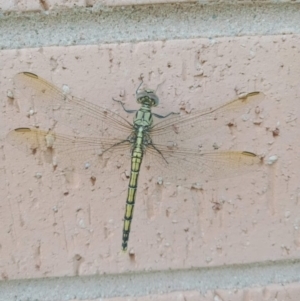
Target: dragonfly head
147, 97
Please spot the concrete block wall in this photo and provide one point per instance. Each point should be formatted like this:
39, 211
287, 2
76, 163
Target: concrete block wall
236, 238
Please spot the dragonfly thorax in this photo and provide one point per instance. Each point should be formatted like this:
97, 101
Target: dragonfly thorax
143, 117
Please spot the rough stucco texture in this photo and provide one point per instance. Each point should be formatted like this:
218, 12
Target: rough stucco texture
51, 226
286, 292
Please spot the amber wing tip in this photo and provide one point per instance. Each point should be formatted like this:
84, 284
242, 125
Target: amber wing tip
29, 74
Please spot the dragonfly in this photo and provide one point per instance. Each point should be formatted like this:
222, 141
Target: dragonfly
151, 140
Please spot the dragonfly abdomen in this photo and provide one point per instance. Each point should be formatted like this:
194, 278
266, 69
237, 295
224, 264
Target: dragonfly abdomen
136, 160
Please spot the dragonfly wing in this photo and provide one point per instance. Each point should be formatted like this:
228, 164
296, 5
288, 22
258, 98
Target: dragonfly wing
38, 95
191, 166
201, 122
67, 152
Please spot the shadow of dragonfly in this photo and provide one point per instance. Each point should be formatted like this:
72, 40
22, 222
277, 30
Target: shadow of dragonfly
153, 141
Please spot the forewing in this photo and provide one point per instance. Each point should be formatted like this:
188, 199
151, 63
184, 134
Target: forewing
200, 122
36, 95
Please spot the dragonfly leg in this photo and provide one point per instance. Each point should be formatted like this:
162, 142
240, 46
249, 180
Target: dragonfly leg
118, 143
122, 104
160, 116
155, 148
137, 90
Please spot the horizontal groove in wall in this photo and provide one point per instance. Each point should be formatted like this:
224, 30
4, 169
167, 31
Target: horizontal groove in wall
146, 23
101, 286
56, 5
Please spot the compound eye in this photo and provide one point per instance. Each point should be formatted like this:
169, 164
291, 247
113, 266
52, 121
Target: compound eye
154, 102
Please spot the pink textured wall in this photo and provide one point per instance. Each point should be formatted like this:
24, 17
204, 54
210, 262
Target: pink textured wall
50, 227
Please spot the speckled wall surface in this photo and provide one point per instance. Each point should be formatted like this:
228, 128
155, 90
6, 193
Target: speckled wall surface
55, 226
